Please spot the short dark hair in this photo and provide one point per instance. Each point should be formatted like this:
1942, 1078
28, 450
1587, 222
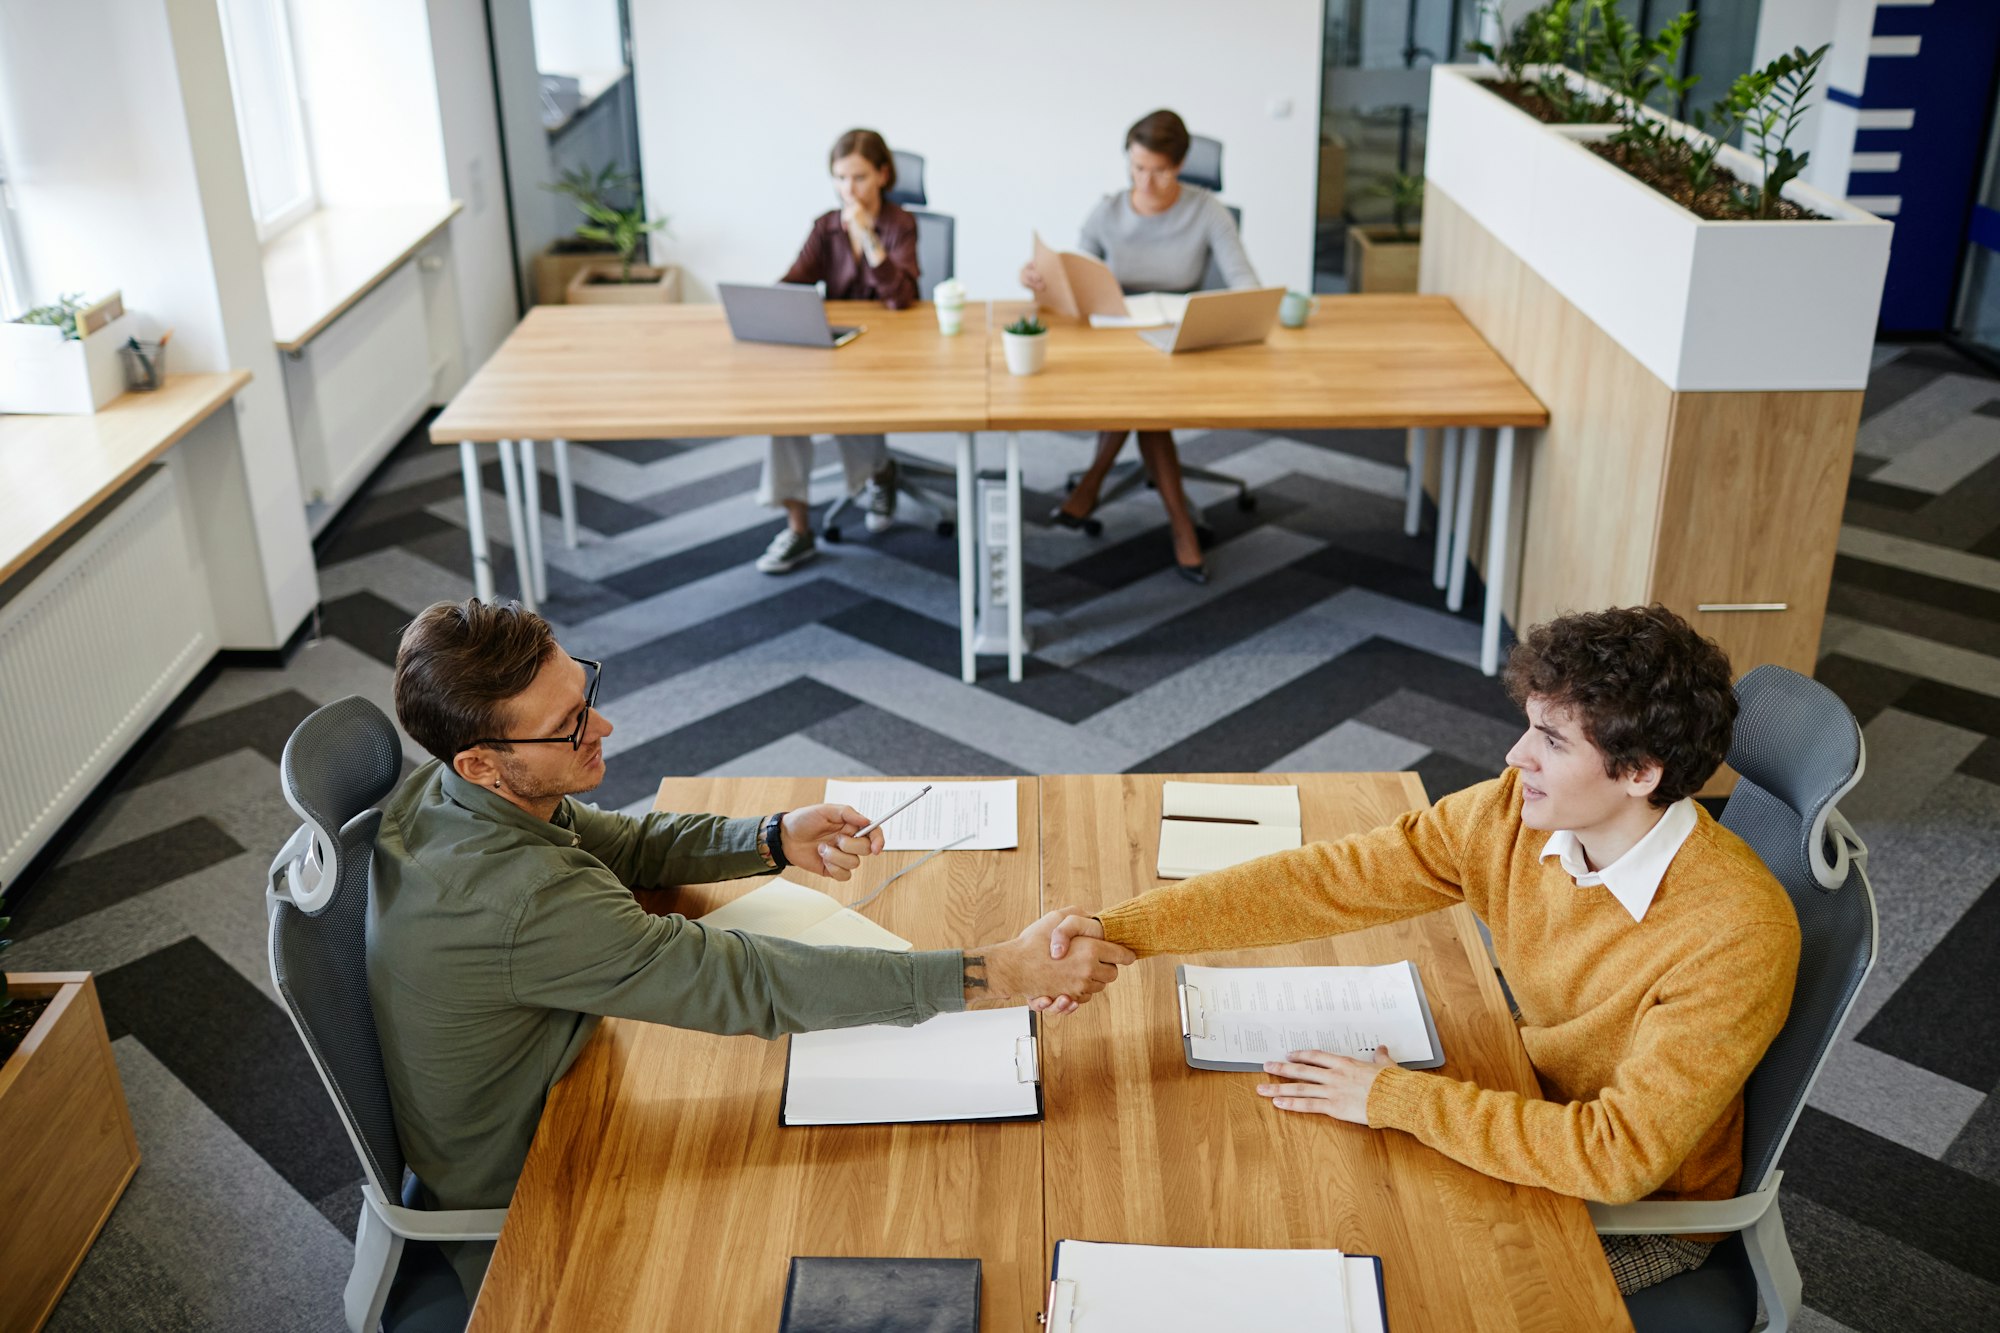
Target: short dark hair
457, 666
1645, 686
1161, 132
874, 150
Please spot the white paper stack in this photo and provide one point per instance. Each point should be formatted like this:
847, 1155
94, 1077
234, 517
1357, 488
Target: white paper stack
794, 912
1108, 1288
1239, 1017
1209, 825
986, 811
976, 1065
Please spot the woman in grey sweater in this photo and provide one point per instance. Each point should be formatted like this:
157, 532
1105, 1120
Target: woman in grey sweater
1157, 236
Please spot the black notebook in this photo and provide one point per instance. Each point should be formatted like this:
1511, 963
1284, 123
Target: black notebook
825, 1295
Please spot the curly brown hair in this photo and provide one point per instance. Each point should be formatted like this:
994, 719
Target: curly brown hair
1644, 685
459, 665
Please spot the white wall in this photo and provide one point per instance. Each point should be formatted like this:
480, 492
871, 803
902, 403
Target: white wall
140, 187
1826, 128
1019, 107
481, 248
577, 36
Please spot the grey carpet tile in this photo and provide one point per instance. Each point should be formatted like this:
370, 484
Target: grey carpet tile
1865, 688
1869, 1278
1475, 737
1351, 747
368, 622
121, 1286
1181, 641
236, 1049
369, 532
342, 1206
1959, 627
1387, 447
679, 649
92, 883
644, 451
713, 740
1889, 1096
595, 510
1975, 603
1977, 1147
1984, 762
890, 743
1971, 709
1909, 756
1955, 978
703, 491
796, 755
263, 725
1961, 518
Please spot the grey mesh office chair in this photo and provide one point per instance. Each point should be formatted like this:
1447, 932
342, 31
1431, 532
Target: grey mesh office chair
931, 486
1798, 751
1202, 166
338, 766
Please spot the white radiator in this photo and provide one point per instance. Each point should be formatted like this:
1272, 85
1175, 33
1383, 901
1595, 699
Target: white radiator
92, 650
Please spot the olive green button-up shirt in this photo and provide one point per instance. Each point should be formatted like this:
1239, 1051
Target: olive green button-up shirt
496, 940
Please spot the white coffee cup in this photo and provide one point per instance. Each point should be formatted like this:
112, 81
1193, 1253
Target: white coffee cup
949, 297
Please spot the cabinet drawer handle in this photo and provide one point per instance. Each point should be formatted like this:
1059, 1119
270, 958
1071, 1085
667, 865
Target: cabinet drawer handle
1743, 606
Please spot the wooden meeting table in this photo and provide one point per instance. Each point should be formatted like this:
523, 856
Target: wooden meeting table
661, 1191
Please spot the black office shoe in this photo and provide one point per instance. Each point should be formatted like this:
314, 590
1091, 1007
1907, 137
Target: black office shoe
1062, 518
1195, 574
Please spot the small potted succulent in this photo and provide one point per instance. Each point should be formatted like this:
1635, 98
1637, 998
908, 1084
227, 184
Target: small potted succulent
1026, 342
1384, 257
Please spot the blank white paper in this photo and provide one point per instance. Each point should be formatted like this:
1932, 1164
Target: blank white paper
949, 811
794, 912
959, 1066
1262, 1013
1182, 1289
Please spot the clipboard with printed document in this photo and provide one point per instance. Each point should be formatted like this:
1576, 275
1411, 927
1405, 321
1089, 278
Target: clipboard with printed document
1236, 1018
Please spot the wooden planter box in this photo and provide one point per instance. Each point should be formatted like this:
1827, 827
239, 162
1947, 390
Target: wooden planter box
1377, 262
68, 1141
1703, 379
554, 269
649, 285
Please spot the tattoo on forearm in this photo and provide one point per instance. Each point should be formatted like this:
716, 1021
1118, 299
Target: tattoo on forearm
975, 971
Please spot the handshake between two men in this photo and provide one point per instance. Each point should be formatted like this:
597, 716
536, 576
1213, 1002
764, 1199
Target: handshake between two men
1057, 963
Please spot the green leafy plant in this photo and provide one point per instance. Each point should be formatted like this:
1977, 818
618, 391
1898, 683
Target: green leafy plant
1635, 67
1560, 33
622, 229
589, 189
62, 314
1788, 80
1027, 326
1406, 200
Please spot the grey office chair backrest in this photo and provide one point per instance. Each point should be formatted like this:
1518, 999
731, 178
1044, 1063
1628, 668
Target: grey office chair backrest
909, 187
937, 250
339, 765
1203, 164
1798, 751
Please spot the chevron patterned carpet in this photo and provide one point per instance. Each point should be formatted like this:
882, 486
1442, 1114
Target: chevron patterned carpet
1319, 644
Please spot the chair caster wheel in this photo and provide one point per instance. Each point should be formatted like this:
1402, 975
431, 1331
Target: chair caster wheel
1246, 502
946, 528
831, 534
1092, 528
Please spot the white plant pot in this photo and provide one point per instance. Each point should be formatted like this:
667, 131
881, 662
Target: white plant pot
43, 372
1706, 306
1027, 353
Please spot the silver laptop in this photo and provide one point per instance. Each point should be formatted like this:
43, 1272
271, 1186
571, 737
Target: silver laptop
1220, 319
784, 313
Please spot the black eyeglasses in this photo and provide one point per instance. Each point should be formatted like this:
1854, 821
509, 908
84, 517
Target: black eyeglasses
575, 739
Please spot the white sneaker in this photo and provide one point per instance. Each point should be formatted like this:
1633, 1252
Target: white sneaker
878, 498
787, 551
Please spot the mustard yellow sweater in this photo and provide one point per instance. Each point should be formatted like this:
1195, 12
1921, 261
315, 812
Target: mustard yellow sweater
1642, 1032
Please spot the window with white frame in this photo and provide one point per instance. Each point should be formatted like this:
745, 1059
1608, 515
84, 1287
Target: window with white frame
269, 120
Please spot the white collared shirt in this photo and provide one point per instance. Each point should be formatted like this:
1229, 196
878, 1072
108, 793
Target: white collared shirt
1634, 877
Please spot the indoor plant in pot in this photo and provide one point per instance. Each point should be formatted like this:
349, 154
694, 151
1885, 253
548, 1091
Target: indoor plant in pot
563, 257
66, 1132
1384, 257
625, 282
1026, 342
63, 357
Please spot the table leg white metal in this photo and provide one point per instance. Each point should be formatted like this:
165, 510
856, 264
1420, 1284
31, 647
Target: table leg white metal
1461, 537
565, 491
475, 522
1447, 491
531, 515
1413, 501
510, 485
1016, 583
968, 524
1500, 524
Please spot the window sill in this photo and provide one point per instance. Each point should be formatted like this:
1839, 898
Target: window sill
315, 271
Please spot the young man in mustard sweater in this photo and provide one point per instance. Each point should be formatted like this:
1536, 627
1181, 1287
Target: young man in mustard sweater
1650, 952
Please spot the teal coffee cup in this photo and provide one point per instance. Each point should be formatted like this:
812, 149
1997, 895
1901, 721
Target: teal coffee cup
1296, 306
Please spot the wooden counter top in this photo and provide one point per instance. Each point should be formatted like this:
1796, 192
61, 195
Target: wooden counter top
55, 469
315, 271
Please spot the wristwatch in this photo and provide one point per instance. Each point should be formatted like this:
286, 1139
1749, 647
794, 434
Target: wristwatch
771, 836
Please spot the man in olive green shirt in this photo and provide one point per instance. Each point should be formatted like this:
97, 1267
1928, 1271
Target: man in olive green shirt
502, 923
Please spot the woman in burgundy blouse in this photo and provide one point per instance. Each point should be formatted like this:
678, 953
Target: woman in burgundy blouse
865, 250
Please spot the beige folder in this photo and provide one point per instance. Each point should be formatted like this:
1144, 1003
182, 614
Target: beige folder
1076, 285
